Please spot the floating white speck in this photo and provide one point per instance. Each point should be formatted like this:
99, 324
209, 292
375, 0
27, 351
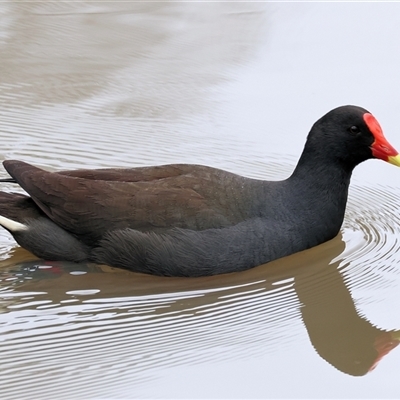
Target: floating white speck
283, 281
83, 292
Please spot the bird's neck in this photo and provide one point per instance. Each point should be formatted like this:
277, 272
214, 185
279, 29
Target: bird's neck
321, 172
318, 189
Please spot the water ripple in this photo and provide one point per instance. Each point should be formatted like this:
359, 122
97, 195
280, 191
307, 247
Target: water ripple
138, 332
372, 231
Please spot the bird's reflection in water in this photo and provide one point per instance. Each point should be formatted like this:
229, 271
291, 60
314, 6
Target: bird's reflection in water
337, 332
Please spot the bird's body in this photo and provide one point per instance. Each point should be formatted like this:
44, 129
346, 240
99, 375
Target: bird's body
192, 220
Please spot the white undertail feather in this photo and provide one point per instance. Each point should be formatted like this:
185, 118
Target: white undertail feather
12, 226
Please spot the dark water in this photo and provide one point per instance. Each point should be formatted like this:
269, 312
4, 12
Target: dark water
231, 85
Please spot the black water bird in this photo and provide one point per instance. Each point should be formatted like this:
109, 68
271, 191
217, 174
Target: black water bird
192, 220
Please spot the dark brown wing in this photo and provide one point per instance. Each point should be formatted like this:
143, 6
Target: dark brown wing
88, 208
138, 174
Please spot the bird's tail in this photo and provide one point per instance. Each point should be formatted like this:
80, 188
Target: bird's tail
18, 207
8, 180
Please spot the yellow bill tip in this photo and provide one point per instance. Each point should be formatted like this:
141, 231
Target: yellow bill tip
395, 160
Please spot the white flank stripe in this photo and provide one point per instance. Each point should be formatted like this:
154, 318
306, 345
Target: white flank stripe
11, 225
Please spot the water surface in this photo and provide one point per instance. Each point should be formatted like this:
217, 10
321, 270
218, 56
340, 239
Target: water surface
231, 85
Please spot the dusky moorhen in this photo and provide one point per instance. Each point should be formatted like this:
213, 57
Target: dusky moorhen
192, 220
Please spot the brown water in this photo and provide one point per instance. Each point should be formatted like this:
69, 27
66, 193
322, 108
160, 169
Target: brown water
231, 85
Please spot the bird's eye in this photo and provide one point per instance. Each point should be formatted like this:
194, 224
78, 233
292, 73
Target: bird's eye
354, 130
